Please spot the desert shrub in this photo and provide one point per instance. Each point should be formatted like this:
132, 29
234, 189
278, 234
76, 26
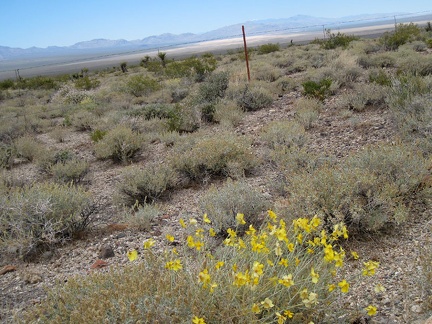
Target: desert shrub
150, 111
214, 87
28, 148
145, 185
6, 155
402, 35
184, 118
85, 83
419, 46
196, 68
368, 192
43, 215
380, 60
6, 84
120, 144
38, 82
268, 48
364, 96
71, 171
222, 204
429, 43
82, 120
252, 97
379, 76
264, 71
333, 40
227, 113
142, 218
319, 90
59, 134
416, 64
284, 133
139, 85
307, 111
225, 155
249, 279
97, 135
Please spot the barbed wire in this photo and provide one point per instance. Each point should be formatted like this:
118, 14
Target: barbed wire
146, 50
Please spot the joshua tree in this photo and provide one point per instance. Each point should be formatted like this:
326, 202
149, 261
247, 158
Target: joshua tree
123, 67
162, 56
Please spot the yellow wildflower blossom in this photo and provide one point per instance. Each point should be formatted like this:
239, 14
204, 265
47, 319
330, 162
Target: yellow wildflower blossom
379, 288
182, 223
174, 265
132, 255
198, 320
371, 310
304, 294
257, 269
270, 263
286, 280
204, 277
280, 318
288, 314
370, 267
193, 221
314, 275
212, 232
219, 265
206, 219
240, 219
354, 255
331, 287
272, 215
241, 279
256, 309
283, 262
251, 230
344, 286
169, 237
267, 303
278, 250
149, 243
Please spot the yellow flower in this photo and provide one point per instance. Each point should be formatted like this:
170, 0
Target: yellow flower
286, 280
256, 309
190, 242
314, 276
354, 255
283, 262
198, 245
206, 219
241, 244
212, 232
281, 234
241, 279
267, 303
251, 230
304, 294
182, 223
270, 263
169, 237
300, 238
315, 222
297, 261
331, 287
370, 267
240, 219
212, 287
257, 269
193, 221
344, 286
204, 277
132, 255
219, 265
272, 215
198, 320
231, 233
278, 250
290, 247
174, 265
280, 318
149, 243
288, 314
371, 310
311, 300
379, 288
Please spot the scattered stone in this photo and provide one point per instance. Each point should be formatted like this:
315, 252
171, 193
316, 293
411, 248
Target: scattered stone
99, 264
416, 309
32, 278
7, 268
106, 252
428, 321
121, 235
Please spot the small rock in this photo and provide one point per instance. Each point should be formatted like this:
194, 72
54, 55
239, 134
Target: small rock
428, 321
106, 252
121, 235
416, 309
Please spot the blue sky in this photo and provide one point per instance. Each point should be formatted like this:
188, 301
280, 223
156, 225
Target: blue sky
42, 23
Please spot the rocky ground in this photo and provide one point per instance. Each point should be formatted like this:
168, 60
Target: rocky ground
400, 252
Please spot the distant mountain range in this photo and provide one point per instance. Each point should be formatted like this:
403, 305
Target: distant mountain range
100, 46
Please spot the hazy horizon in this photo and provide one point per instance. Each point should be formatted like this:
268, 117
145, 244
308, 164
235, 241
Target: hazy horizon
46, 23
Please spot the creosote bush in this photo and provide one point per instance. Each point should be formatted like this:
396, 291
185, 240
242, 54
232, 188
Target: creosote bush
36, 217
284, 133
70, 171
120, 144
281, 272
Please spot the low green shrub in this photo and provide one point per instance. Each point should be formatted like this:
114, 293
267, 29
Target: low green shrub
402, 35
141, 218
284, 133
319, 90
333, 40
7, 84
120, 144
85, 83
38, 82
268, 48
6, 155
97, 135
41, 216
82, 120
72, 171
307, 111
28, 148
379, 76
145, 185
228, 113
252, 97
139, 85
365, 96
225, 155
150, 111
380, 60
222, 204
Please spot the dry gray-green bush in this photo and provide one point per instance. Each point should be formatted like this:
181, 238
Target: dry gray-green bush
251, 97
6, 155
380, 60
28, 148
228, 113
363, 96
223, 203
120, 144
82, 120
40, 216
145, 185
307, 111
284, 133
225, 155
142, 218
70, 171
369, 191
139, 85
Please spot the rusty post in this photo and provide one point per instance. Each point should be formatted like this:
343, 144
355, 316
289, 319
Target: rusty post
246, 53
